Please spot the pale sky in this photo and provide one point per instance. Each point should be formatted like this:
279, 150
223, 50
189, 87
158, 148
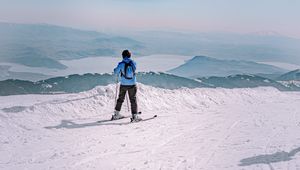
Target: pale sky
240, 16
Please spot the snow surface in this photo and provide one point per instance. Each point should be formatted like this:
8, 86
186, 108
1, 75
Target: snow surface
200, 128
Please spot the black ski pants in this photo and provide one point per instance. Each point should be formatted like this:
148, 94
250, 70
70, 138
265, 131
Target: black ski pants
132, 97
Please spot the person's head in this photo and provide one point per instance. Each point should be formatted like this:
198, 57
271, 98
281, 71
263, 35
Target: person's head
126, 54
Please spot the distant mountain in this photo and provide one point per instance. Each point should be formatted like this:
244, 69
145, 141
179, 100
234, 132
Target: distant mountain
292, 75
15, 87
269, 76
290, 79
292, 84
243, 81
167, 81
258, 47
78, 83
41, 45
202, 66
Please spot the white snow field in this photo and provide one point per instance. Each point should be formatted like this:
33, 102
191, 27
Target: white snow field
209, 129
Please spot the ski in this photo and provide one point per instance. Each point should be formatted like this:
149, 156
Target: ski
142, 120
109, 120
125, 117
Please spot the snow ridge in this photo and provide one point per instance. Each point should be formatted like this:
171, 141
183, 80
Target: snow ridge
99, 101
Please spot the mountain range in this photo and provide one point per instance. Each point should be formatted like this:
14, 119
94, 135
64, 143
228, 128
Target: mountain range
42, 45
242, 81
79, 83
258, 47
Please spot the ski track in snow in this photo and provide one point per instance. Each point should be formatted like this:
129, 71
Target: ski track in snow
195, 129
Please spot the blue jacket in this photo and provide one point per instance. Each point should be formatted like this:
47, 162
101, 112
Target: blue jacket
121, 69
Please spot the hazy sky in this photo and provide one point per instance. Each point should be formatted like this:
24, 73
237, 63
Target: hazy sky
242, 16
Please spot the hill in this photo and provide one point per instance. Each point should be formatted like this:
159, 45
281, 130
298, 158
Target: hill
202, 66
292, 75
242, 81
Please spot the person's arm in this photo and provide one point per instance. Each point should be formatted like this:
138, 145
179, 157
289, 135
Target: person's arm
134, 65
117, 70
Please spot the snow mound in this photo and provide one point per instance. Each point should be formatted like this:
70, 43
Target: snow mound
99, 101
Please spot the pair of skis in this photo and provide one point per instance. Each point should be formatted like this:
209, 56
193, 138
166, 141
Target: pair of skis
131, 121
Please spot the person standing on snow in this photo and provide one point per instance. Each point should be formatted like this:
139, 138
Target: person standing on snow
126, 70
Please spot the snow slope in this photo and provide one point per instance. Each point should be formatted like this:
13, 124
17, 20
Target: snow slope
195, 129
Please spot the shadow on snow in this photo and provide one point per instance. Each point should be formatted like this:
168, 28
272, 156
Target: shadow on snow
68, 124
270, 158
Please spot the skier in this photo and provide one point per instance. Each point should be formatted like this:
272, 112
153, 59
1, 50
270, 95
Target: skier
126, 70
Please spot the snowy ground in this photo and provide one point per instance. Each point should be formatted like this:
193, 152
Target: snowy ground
208, 129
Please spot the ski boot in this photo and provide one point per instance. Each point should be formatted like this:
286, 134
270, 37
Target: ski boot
117, 115
135, 118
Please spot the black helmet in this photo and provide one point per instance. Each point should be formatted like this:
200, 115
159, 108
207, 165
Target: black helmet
126, 54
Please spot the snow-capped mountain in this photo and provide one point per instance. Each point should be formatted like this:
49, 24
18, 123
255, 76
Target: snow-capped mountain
222, 129
202, 66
